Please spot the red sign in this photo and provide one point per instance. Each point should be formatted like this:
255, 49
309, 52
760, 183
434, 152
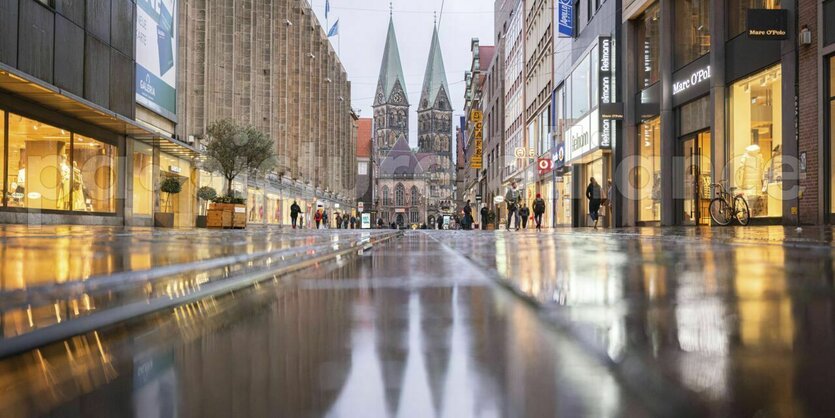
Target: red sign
545, 165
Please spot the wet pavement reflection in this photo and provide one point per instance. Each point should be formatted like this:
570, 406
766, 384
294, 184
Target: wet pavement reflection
740, 319
408, 329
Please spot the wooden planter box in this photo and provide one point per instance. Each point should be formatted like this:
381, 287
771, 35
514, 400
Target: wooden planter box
226, 215
163, 220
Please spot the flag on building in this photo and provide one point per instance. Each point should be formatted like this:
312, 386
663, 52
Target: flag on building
334, 29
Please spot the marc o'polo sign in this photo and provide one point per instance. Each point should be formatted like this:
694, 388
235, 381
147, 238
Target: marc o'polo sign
768, 24
692, 81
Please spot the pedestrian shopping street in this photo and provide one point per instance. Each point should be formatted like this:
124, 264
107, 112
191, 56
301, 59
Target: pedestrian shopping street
279, 322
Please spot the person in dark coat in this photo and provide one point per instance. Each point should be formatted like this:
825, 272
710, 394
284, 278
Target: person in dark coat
524, 214
440, 222
484, 215
380, 223
593, 194
467, 222
338, 221
538, 210
294, 213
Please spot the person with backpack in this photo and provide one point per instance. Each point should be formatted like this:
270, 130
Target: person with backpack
294, 213
318, 218
524, 213
325, 224
538, 211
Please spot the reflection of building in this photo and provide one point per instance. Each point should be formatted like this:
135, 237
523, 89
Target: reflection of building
272, 66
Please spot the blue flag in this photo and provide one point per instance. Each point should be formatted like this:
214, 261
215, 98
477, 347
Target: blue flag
327, 8
334, 29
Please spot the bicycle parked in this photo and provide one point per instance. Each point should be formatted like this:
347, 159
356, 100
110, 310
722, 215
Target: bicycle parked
725, 207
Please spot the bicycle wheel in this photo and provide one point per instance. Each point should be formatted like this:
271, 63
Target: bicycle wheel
741, 211
720, 211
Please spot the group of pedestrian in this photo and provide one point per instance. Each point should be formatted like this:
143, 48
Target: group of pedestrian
343, 221
518, 210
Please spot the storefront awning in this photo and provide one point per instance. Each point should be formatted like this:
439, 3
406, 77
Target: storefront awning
54, 98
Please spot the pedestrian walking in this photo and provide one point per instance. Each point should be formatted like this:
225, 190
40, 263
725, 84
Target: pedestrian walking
485, 215
440, 223
325, 224
345, 220
468, 217
524, 214
353, 222
338, 221
318, 218
294, 213
379, 223
511, 198
594, 197
538, 210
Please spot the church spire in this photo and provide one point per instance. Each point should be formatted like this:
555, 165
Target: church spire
391, 72
434, 81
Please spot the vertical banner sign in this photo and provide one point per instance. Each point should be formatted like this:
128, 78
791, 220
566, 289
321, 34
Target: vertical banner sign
156, 56
565, 18
607, 91
476, 161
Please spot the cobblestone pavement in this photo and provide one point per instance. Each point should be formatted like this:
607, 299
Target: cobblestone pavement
409, 328
739, 319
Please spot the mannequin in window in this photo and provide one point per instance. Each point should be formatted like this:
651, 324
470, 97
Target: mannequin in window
752, 170
79, 196
19, 185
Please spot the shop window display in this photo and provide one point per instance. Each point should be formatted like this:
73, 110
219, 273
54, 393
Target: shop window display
738, 13
692, 30
649, 39
6, 193
94, 175
39, 171
648, 174
143, 179
756, 141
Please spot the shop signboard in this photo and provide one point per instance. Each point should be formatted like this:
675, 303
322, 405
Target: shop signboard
476, 160
565, 18
559, 157
768, 24
156, 56
583, 137
608, 110
545, 165
361, 206
692, 81
365, 223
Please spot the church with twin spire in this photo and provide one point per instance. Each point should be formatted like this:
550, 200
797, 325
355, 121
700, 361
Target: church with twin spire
412, 186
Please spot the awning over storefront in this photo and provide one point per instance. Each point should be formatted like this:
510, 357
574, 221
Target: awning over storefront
54, 98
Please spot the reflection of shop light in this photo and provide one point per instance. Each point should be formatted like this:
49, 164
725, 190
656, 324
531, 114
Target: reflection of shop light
34, 195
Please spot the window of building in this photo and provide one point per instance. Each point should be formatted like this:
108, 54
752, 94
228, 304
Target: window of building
580, 89
692, 30
143, 179
414, 217
738, 13
649, 41
829, 18
648, 174
756, 141
400, 195
39, 174
831, 123
415, 196
362, 168
386, 201
95, 163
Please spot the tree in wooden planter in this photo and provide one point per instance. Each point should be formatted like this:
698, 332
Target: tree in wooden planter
170, 187
206, 194
234, 149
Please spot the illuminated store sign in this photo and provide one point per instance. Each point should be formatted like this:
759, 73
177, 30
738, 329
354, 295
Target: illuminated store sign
608, 128
692, 81
583, 137
696, 78
768, 24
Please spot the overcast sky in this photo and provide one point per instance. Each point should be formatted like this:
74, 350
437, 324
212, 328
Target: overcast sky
362, 27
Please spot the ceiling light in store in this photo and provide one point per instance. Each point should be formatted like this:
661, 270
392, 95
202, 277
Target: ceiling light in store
35, 126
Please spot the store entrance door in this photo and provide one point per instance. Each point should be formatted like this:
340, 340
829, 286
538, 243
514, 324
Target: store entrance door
696, 179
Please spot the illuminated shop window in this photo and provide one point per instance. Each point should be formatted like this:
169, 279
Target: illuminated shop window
648, 174
39, 174
94, 175
756, 141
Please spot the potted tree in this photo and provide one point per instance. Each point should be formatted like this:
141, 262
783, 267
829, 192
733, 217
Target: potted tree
233, 150
206, 194
169, 187
491, 220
